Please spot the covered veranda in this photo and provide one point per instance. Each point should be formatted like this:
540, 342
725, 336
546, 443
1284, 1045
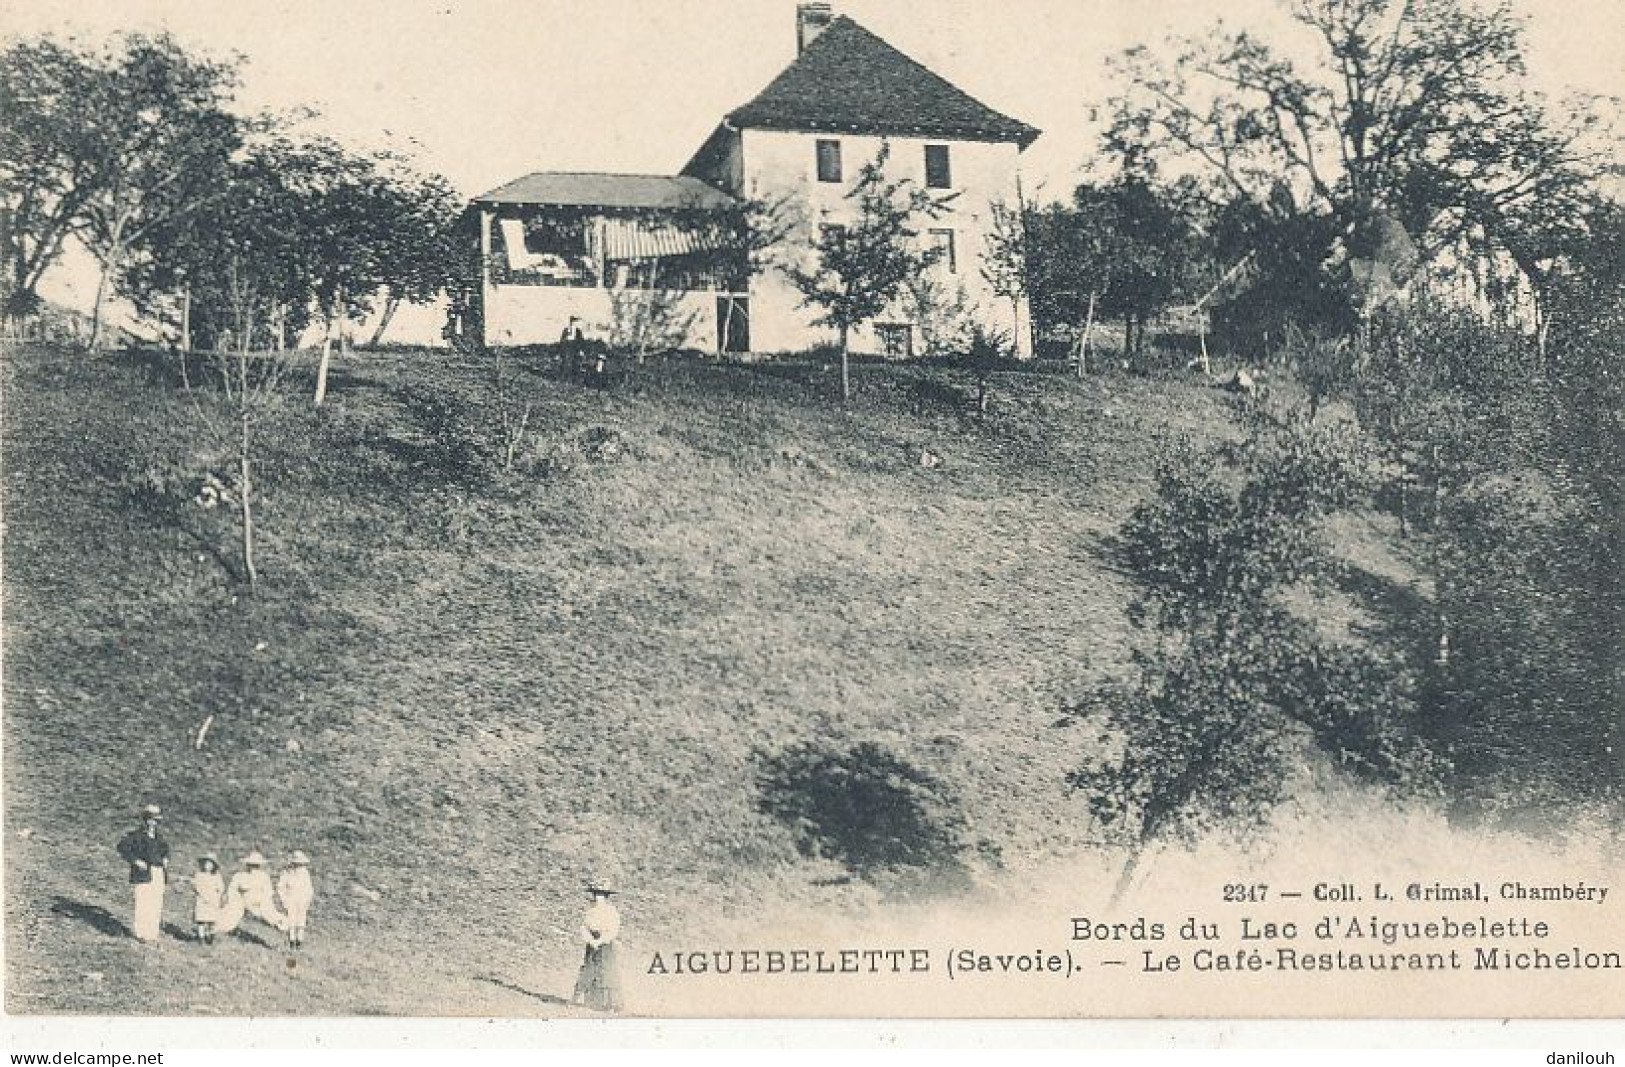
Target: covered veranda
566, 250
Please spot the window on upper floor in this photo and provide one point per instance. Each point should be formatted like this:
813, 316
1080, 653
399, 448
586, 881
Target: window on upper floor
942, 241
829, 161
938, 171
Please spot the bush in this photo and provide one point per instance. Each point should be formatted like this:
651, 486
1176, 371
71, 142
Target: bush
1233, 682
1507, 475
1527, 693
1323, 364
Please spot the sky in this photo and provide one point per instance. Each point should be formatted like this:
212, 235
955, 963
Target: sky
486, 91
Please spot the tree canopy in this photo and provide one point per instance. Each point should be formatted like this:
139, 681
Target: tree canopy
1415, 107
136, 150
106, 145
1127, 246
324, 230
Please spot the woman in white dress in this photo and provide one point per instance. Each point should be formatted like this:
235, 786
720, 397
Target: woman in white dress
598, 986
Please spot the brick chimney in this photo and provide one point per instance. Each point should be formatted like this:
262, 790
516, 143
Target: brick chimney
811, 20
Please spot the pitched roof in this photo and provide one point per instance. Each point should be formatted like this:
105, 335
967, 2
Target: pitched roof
848, 79
651, 191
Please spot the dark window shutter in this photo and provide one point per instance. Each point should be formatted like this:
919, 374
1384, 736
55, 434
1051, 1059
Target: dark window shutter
938, 172
829, 161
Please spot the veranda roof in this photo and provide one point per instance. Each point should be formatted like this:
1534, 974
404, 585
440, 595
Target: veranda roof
624, 191
641, 239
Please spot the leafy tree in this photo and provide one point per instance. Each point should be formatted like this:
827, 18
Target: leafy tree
1508, 478
1151, 248
747, 241
1585, 362
1122, 248
1069, 265
422, 245
863, 262
254, 224
349, 229
49, 92
287, 231
244, 252
374, 227
355, 221
1415, 107
1005, 266
1283, 284
753, 232
162, 140
1584, 308
1234, 682
1415, 112
106, 146
1525, 695
177, 274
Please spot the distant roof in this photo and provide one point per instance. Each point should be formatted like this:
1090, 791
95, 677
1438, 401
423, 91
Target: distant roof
848, 79
608, 190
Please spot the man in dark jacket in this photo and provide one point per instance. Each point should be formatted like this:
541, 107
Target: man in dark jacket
147, 854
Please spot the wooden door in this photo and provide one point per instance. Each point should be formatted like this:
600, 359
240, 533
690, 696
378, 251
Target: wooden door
733, 323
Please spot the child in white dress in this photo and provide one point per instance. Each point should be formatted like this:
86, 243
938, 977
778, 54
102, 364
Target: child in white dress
250, 894
294, 888
209, 891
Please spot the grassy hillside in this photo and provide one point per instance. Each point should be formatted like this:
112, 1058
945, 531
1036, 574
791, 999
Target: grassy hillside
707, 608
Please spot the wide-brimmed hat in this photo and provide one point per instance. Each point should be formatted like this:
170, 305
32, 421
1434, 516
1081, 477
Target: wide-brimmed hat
254, 859
209, 857
152, 811
298, 858
600, 886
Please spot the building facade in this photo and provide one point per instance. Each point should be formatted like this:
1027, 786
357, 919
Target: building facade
556, 247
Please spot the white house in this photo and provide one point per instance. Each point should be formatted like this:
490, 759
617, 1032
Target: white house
555, 246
